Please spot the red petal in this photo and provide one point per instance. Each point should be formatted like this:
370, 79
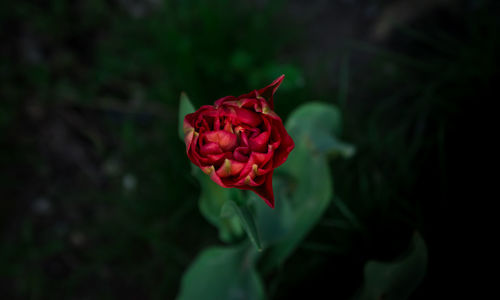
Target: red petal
230, 168
241, 154
210, 148
226, 140
269, 90
191, 140
259, 143
224, 100
246, 116
284, 149
213, 175
265, 191
244, 101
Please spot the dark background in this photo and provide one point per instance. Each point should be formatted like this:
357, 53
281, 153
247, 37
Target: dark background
96, 198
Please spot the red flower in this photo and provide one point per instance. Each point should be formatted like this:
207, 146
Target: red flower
239, 141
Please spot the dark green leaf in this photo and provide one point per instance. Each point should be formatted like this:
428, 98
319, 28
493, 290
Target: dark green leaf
275, 223
311, 196
320, 124
246, 218
398, 279
313, 127
212, 199
223, 273
313, 117
328, 144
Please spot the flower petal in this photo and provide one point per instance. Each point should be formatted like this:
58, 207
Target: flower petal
213, 175
286, 146
241, 154
247, 116
269, 90
226, 140
259, 143
265, 190
230, 168
210, 148
224, 100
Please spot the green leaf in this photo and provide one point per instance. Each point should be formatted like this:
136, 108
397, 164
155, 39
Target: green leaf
227, 210
397, 279
320, 124
274, 224
313, 127
185, 107
212, 199
247, 220
314, 117
328, 144
223, 273
311, 195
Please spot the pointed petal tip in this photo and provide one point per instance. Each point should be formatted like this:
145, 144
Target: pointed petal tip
268, 91
277, 82
269, 202
265, 191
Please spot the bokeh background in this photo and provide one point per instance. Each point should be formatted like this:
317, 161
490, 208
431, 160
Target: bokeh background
96, 197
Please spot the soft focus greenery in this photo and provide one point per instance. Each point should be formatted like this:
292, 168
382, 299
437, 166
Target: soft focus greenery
98, 199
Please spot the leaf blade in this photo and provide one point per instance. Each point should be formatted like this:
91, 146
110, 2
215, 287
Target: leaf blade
247, 220
223, 273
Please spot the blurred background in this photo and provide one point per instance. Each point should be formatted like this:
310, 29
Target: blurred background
96, 197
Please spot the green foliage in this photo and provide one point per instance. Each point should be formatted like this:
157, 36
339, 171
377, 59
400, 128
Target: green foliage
223, 273
311, 195
212, 200
107, 80
274, 224
319, 124
397, 279
309, 174
241, 209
